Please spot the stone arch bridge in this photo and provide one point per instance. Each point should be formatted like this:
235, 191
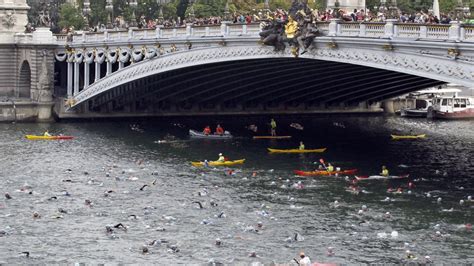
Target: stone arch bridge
225, 70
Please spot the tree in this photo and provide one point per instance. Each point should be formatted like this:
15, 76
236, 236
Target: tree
70, 16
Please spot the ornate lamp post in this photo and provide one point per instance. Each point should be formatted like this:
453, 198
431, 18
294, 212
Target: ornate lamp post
160, 5
227, 12
461, 11
393, 10
86, 10
133, 5
109, 7
335, 12
191, 15
383, 7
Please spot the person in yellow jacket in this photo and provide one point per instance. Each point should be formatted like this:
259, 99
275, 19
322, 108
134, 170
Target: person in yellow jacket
221, 158
384, 171
302, 147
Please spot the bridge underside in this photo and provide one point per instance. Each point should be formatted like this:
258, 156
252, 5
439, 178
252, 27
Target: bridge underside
278, 84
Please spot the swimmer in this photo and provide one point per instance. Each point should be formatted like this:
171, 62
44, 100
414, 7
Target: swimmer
297, 237
61, 210
53, 198
199, 203
27, 253
213, 203
304, 260
144, 249
8, 196
143, 187
173, 249
109, 229
330, 252
120, 225
253, 254
218, 242
154, 182
36, 215
221, 215
439, 200
410, 255
88, 203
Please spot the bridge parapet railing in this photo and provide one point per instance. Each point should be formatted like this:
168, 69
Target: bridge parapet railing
454, 31
405, 30
200, 31
116, 35
374, 29
437, 32
349, 29
323, 27
467, 32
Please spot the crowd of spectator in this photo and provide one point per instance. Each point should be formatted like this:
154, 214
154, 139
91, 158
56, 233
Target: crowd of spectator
119, 23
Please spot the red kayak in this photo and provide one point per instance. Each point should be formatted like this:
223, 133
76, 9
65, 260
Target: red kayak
324, 172
378, 177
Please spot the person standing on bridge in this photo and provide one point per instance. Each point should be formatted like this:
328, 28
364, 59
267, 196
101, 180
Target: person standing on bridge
273, 126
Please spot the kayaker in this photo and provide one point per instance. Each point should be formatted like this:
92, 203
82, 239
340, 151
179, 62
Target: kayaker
304, 260
253, 128
219, 130
221, 158
273, 126
207, 130
301, 145
46, 134
330, 168
384, 171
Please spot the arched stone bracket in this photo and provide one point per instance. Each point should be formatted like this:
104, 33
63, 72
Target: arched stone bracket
415, 64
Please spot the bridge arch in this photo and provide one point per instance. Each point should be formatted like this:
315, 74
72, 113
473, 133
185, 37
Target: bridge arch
24, 81
436, 69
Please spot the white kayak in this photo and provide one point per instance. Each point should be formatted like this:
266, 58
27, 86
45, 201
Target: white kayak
200, 135
378, 177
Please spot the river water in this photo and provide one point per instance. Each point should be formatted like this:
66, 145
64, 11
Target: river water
106, 156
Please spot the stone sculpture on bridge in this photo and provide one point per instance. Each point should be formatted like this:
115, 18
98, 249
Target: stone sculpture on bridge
299, 29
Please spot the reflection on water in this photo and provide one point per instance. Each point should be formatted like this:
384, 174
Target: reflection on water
108, 163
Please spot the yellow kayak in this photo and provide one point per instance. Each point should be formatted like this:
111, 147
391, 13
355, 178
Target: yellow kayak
409, 137
216, 163
296, 150
36, 137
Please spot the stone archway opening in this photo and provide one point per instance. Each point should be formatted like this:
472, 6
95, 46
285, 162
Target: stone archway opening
24, 85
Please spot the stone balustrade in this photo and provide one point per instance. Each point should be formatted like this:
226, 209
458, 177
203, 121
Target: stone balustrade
334, 28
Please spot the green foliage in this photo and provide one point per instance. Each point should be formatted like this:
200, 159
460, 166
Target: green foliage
98, 14
447, 6
70, 16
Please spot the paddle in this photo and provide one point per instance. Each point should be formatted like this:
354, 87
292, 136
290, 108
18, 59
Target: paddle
297, 262
322, 162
